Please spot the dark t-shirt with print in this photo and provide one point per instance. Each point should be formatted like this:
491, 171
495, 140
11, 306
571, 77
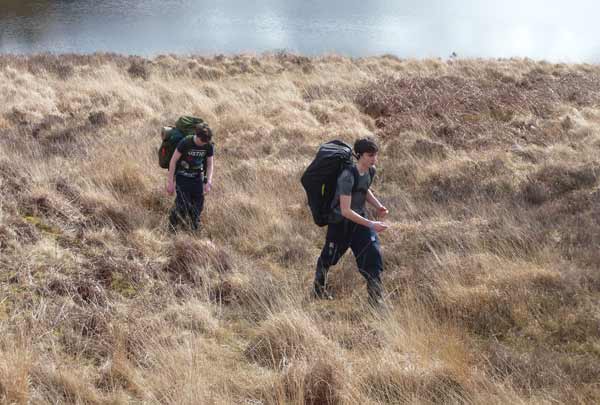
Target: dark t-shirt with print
190, 167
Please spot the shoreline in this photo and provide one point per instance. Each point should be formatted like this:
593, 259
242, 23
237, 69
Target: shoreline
275, 52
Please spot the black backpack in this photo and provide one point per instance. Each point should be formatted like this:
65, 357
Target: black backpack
320, 178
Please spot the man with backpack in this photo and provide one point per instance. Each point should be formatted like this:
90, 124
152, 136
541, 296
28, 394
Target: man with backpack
193, 155
348, 223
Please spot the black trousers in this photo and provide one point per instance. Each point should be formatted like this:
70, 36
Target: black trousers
365, 246
188, 207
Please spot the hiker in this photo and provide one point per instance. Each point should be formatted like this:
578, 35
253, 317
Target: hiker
349, 226
186, 176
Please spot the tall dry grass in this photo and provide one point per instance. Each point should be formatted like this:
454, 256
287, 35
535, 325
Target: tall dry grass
489, 169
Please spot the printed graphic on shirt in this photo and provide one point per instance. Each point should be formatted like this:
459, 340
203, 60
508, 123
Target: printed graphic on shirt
193, 158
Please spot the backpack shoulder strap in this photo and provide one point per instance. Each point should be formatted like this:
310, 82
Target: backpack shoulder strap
187, 139
371, 175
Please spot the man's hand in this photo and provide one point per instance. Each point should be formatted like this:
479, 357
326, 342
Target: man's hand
170, 187
207, 187
382, 212
378, 226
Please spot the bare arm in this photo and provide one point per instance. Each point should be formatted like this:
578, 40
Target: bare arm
371, 199
350, 214
173, 164
171, 174
382, 211
210, 169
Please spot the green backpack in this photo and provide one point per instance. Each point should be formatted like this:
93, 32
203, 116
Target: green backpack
171, 136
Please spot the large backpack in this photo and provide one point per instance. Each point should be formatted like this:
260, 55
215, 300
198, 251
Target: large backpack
320, 178
171, 136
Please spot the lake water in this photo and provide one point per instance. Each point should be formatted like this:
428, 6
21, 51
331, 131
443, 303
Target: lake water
552, 30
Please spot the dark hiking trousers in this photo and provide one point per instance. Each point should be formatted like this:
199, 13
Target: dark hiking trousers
366, 247
188, 207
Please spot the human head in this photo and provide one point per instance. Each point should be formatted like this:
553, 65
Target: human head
203, 132
365, 145
366, 150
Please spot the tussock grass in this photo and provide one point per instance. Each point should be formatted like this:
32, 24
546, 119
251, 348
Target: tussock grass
15, 367
489, 169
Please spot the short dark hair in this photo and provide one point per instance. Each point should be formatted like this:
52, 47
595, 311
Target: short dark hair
365, 145
203, 132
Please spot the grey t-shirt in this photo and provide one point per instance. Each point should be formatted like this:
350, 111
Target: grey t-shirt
345, 184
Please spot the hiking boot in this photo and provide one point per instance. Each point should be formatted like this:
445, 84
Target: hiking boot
375, 290
319, 286
321, 293
377, 302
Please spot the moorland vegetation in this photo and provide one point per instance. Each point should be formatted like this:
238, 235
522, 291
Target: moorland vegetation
490, 170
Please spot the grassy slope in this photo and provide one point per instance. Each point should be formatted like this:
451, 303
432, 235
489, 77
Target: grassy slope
489, 169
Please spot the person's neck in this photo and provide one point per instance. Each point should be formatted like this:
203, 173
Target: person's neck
362, 167
198, 141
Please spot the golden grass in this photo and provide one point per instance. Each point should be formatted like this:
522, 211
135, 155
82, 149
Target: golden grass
15, 366
489, 169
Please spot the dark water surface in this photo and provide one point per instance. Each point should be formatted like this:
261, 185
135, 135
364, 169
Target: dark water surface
553, 30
